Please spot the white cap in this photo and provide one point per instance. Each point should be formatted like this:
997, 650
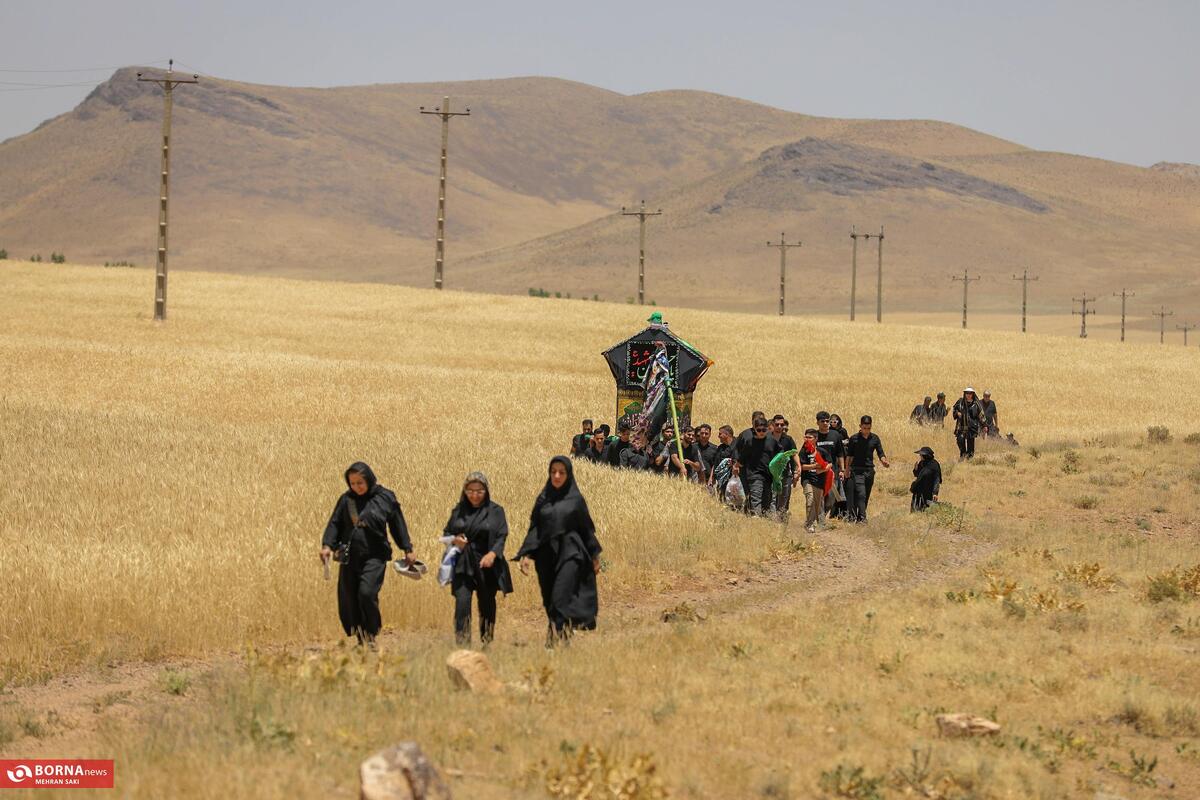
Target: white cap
968, 389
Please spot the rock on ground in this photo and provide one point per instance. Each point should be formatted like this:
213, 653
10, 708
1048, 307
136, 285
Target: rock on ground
401, 772
965, 725
472, 670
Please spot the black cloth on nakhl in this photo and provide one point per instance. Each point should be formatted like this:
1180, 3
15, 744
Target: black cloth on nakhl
562, 542
486, 529
378, 511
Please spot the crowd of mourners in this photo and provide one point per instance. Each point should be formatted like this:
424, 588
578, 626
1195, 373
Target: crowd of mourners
756, 471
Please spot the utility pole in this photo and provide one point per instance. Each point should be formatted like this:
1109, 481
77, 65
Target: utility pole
443, 111
1024, 279
783, 248
168, 82
1125, 293
1185, 328
641, 214
1162, 315
853, 270
854, 237
1083, 312
879, 281
966, 282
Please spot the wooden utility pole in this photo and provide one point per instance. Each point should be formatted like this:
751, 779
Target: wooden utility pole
168, 82
1162, 315
1185, 328
443, 111
879, 281
1024, 279
783, 246
1125, 293
966, 282
1083, 312
854, 237
853, 270
641, 214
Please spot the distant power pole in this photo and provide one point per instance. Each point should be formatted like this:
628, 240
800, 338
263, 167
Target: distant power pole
445, 113
854, 237
1185, 328
1162, 315
168, 82
783, 248
1125, 293
853, 270
1083, 312
1024, 279
966, 281
641, 214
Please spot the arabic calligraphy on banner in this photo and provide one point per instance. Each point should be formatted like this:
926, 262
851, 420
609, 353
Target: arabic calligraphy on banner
639, 357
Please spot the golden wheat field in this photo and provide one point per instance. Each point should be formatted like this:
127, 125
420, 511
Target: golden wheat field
163, 488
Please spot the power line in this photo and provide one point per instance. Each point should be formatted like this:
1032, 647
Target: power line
1185, 327
40, 87
81, 69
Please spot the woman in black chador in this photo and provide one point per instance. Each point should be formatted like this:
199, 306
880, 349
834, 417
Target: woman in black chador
479, 528
927, 480
358, 532
562, 545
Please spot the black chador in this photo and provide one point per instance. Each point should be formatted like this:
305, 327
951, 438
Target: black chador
562, 543
362, 523
486, 530
927, 480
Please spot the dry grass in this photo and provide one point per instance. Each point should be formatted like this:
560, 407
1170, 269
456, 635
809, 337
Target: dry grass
163, 488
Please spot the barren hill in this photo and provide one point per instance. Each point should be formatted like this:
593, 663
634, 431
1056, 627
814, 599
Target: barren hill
341, 183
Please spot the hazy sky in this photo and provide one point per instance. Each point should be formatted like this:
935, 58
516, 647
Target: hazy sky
1108, 79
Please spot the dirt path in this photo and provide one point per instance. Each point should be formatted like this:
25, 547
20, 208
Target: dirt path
838, 563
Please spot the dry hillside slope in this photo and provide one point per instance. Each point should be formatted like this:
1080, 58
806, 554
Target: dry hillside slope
341, 184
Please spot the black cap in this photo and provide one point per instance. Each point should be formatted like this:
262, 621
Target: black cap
925, 451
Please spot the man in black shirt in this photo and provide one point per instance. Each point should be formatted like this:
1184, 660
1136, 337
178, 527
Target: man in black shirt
706, 448
860, 452
920, 414
754, 449
938, 411
581, 441
791, 474
612, 452
812, 478
833, 449
637, 455
724, 449
662, 449
691, 455
595, 450
991, 418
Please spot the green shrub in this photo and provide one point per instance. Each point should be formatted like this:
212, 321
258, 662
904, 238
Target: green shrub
1086, 502
1191, 438
1070, 462
1158, 434
3, 254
